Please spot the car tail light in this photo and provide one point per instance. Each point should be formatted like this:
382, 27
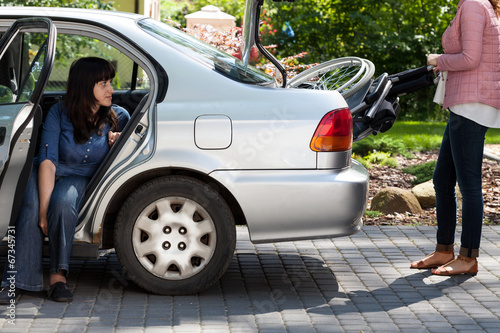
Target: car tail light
334, 132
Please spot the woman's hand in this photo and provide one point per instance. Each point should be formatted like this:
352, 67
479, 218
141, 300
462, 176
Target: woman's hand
112, 137
432, 59
44, 225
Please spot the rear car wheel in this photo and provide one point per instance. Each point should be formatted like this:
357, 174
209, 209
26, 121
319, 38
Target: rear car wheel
174, 235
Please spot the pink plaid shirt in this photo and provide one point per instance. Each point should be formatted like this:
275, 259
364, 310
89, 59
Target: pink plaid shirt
471, 56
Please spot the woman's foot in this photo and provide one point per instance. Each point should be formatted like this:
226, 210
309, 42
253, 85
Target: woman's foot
433, 260
60, 292
461, 265
57, 277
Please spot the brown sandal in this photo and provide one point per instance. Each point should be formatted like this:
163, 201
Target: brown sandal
420, 264
442, 270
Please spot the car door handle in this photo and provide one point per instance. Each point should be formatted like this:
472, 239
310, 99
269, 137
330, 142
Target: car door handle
3, 131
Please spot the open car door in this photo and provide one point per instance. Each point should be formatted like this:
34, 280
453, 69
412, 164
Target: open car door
26, 57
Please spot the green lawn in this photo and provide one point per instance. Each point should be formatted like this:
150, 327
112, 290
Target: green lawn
423, 135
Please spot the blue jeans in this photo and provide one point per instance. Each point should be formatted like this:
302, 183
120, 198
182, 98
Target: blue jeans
460, 160
62, 216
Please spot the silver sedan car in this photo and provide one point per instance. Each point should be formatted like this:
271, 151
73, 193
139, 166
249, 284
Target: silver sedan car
212, 143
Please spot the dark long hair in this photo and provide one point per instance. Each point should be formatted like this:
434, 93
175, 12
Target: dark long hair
84, 73
494, 3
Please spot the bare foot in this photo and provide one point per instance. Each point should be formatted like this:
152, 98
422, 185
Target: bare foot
435, 259
57, 277
461, 265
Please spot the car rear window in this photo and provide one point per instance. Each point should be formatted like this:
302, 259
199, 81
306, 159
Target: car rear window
222, 62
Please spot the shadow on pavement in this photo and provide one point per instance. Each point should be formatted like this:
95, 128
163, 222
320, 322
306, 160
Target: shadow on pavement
255, 284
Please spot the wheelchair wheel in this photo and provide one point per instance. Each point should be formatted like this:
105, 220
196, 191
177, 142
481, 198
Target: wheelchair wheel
345, 75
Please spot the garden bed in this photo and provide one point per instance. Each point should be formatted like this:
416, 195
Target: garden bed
384, 176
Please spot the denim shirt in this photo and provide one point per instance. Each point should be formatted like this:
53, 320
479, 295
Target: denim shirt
70, 158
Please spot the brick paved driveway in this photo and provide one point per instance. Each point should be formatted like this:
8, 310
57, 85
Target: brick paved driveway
352, 284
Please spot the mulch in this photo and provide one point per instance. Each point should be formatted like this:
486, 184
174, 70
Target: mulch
383, 176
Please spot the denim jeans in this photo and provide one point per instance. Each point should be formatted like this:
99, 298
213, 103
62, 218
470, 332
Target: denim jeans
460, 160
62, 216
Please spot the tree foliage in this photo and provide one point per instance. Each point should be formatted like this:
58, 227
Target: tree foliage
89, 4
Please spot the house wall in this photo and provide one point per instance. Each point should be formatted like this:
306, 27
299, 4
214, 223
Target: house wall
146, 7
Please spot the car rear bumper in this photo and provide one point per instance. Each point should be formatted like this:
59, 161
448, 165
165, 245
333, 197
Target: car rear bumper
285, 205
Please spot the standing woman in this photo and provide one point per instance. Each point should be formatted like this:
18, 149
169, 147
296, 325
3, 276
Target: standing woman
77, 135
471, 56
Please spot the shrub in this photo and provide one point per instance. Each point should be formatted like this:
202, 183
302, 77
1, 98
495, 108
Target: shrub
382, 158
423, 172
380, 144
362, 161
391, 162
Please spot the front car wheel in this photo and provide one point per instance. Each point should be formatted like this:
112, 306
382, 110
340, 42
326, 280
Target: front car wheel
175, 235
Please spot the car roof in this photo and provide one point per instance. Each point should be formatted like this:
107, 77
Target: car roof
93, 15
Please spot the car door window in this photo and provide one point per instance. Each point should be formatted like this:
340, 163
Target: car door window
21, 67
34, 53
129, 76
131, 82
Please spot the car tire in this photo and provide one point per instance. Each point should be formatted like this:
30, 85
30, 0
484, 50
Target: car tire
174, 235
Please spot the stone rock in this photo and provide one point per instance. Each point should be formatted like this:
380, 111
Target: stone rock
395, 200
425, 194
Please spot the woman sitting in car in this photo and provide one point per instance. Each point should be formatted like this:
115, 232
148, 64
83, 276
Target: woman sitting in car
77, 135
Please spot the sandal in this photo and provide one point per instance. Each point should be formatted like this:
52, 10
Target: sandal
421, 264
448, 270
60, 292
